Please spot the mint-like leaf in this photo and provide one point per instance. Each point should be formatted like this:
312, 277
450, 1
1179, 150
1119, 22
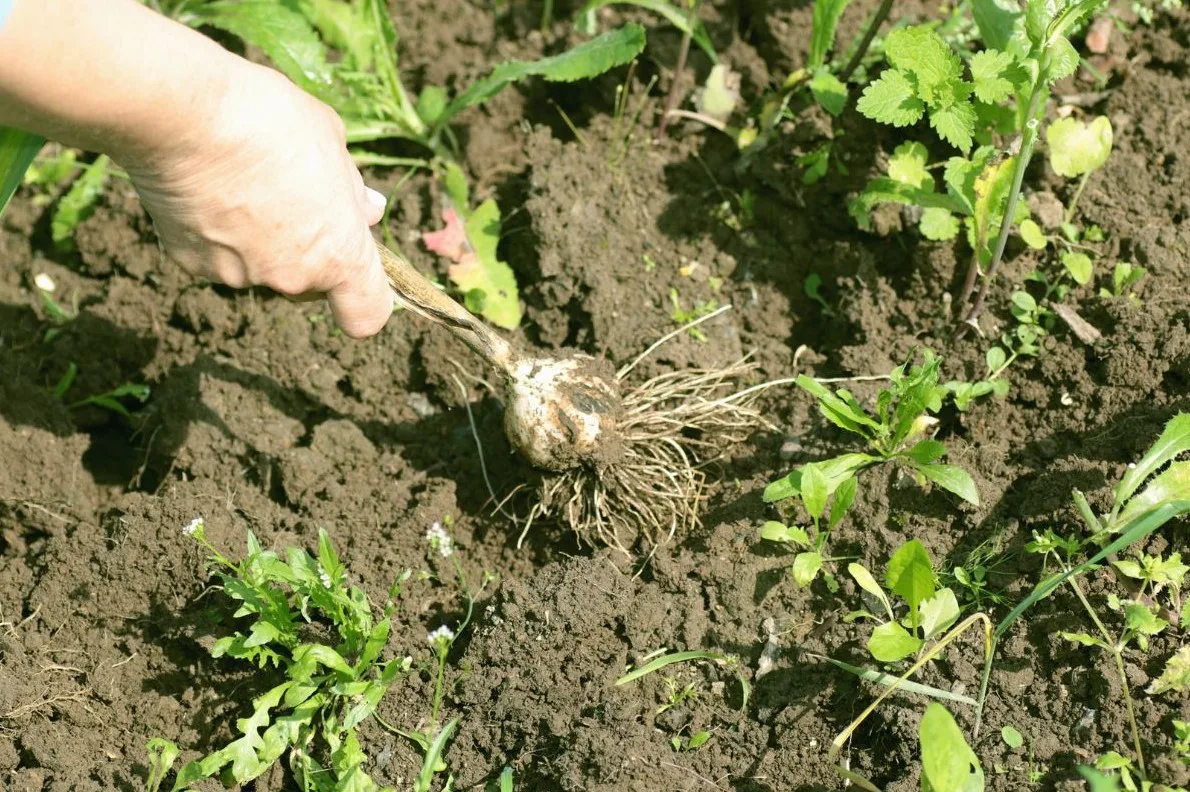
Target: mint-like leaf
891, 99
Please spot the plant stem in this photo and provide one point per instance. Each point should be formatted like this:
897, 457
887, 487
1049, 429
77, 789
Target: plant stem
671, 99
438, 685
547, 15
881, 14
1078, 193
1028, 139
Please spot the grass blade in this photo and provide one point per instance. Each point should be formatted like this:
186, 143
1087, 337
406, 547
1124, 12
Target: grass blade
17, 150
681, 657
822, 35
674, 15
882, 678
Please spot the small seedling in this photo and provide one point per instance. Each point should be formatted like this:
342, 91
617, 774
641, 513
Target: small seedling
109, 400
974, 573
717, 658
329, 689
683, 316
813, 290
929, 611
676, 695
693, 743
1124, 279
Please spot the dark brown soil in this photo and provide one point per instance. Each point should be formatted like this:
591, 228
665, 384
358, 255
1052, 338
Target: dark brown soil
263, 418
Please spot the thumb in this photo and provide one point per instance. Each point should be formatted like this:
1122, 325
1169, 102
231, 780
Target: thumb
363, 303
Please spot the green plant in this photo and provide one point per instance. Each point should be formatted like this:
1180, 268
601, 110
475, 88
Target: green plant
947, 762
17, 151
973, 575
1125, 277
361, 80
684, 316
693, 743
676, 695
929, 611
329, 689
686, 23
1181, 740
665, 659
109, 400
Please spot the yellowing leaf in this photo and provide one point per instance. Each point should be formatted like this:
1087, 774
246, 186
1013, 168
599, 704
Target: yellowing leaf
1176, 676
1032, 235
720, 94
907, 164
1077, 148
488, 284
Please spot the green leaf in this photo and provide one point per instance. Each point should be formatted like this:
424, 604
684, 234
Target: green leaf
938, 224
926, 451
488, 284
1032, 235
890, 642
822, 30
829, 91
1176, 676
995, 358
720, 94
952, 478
1063, 60
938, 613
589, 59
18, 149
907, 165
920, 51
955, 124
679, 18
79, 202
884, 190
990, 71
835, 409
868, 583
284, 36
1174, 440
1012, 737
844, 497
947, 763
1097, 781
891, 99
997, 21
814, 490
910, 574
773, 531
1082, 638
806, 567
1140, 619
1077, 148
1079, 265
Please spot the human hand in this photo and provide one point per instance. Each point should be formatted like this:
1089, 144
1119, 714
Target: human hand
262, 191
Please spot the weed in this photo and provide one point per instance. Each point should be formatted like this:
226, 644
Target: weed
974, 573
894, 434
676, 695
683, 316
1124, 279
328, 689
17, 150
717, 658
109, 400
693, 743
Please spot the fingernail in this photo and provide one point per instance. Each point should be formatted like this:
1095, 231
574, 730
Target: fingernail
376, 198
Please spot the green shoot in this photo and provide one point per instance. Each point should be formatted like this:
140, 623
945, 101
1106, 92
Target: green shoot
695, 742
328, 690
682, 316
1124, 279
677, 695
881, 678
17, 150
947, 762
1012, 737
111, 399
813, 289
930, 611
717, 658
79, 202
506, 780
680, 19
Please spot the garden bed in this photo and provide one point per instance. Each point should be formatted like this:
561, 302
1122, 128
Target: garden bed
263, 418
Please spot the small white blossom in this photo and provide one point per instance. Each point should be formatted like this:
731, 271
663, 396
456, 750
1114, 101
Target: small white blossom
443, 633
193, 527
325, 578
440, 540
44, 282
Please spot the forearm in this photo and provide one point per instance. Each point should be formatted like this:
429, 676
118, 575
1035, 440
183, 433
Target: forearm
111, 76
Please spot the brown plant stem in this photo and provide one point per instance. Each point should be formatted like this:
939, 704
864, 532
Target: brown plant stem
671, 99
881, 15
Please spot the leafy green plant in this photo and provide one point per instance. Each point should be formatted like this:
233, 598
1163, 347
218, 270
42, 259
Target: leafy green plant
79, 201
345, 53
17, 150
1124, 279
681, 18
947, 762
693, 743
329, 689
929, 611
684, 316
109, 400
660, 661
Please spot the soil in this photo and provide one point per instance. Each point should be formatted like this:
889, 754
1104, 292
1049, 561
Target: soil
263, 418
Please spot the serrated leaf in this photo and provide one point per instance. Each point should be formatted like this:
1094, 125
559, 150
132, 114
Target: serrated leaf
79, 202
868, 583
938, 613
947, 763
938, 224
488, 283
806, 567
907, 165
997, 21
1077, 148
1032, 235
1079, 265
920, 51
890, 642
891, 99
589, 59
1064, 59
955, 124
1140, 619
910, 574
1174, 440
829, 91
990, 70
1176, 676
926, 451
822, 30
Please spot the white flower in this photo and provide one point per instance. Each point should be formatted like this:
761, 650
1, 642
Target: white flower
439, 539
443, 633
44, 282
193, 527
325, 578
